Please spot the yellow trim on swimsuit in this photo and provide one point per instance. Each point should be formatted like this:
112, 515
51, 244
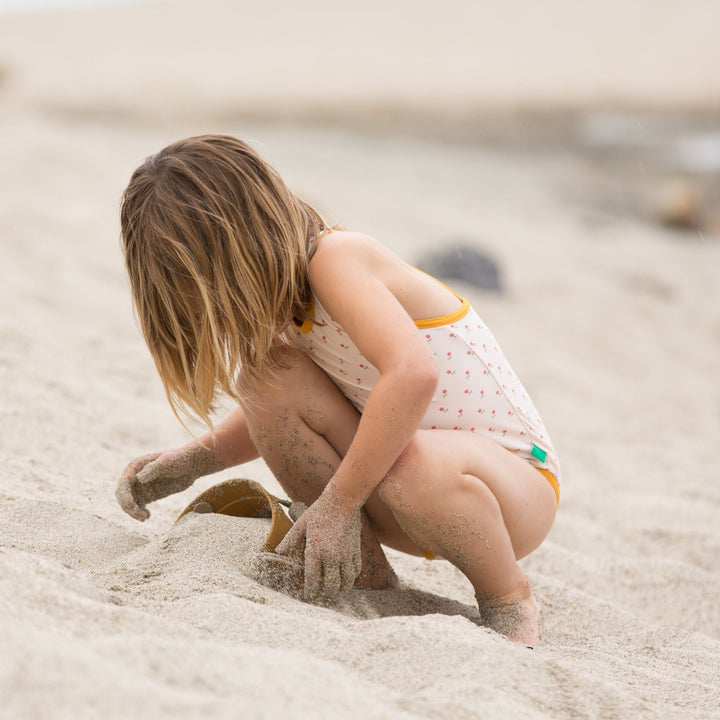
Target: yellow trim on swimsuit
307, 324
422, 324
552, 480
443, 319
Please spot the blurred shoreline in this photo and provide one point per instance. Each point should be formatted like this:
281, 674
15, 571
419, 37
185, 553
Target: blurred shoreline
609, 87
454, 63
25, 7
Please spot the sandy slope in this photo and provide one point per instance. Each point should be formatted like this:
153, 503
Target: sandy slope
613, 323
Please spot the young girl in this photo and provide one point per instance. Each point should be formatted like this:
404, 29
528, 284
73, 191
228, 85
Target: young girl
374, 393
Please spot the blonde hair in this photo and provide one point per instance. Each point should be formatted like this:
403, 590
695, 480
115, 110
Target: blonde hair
216, 248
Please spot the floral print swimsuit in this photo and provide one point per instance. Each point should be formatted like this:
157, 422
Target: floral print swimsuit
477, 391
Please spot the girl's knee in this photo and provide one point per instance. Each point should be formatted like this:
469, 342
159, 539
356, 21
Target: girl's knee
297, 391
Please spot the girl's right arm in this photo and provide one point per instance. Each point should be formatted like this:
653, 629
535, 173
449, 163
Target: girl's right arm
155, 476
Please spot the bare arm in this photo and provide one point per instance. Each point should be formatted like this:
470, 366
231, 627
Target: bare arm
231, 442
350, 285
155, 476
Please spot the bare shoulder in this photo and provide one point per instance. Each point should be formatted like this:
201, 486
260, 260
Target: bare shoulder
343, 253
353, 246
351, 261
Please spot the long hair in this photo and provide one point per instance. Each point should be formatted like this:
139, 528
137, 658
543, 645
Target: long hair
216, 248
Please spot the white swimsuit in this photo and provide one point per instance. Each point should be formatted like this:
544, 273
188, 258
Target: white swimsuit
477, 390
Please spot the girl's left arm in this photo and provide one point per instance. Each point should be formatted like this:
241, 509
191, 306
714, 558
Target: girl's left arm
348, 279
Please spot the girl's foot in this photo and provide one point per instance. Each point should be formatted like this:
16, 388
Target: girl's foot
516, 616
377, 574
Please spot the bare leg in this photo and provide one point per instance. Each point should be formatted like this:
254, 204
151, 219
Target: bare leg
460, 496
302, 425
468, 500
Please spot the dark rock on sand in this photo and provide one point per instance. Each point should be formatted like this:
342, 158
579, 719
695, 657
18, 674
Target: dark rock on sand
459, 260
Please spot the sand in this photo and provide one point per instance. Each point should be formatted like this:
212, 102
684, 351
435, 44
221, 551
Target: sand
611, 319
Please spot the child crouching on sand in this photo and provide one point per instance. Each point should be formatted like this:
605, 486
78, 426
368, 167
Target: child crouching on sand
374, 393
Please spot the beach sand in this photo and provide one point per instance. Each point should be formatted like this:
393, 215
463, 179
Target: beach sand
611, 319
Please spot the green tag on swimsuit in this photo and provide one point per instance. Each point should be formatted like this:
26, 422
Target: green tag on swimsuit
538, 452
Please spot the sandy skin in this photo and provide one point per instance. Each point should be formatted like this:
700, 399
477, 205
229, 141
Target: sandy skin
517, 617
157, 475
302, 424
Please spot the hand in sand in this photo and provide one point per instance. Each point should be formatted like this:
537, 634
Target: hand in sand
155, 476
331, 532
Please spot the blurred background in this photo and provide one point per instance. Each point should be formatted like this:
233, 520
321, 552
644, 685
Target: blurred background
633, 86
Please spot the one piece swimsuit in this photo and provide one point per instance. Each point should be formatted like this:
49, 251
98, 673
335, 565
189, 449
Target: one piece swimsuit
477, 391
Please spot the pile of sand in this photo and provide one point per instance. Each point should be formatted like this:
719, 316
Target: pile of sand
613, 324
